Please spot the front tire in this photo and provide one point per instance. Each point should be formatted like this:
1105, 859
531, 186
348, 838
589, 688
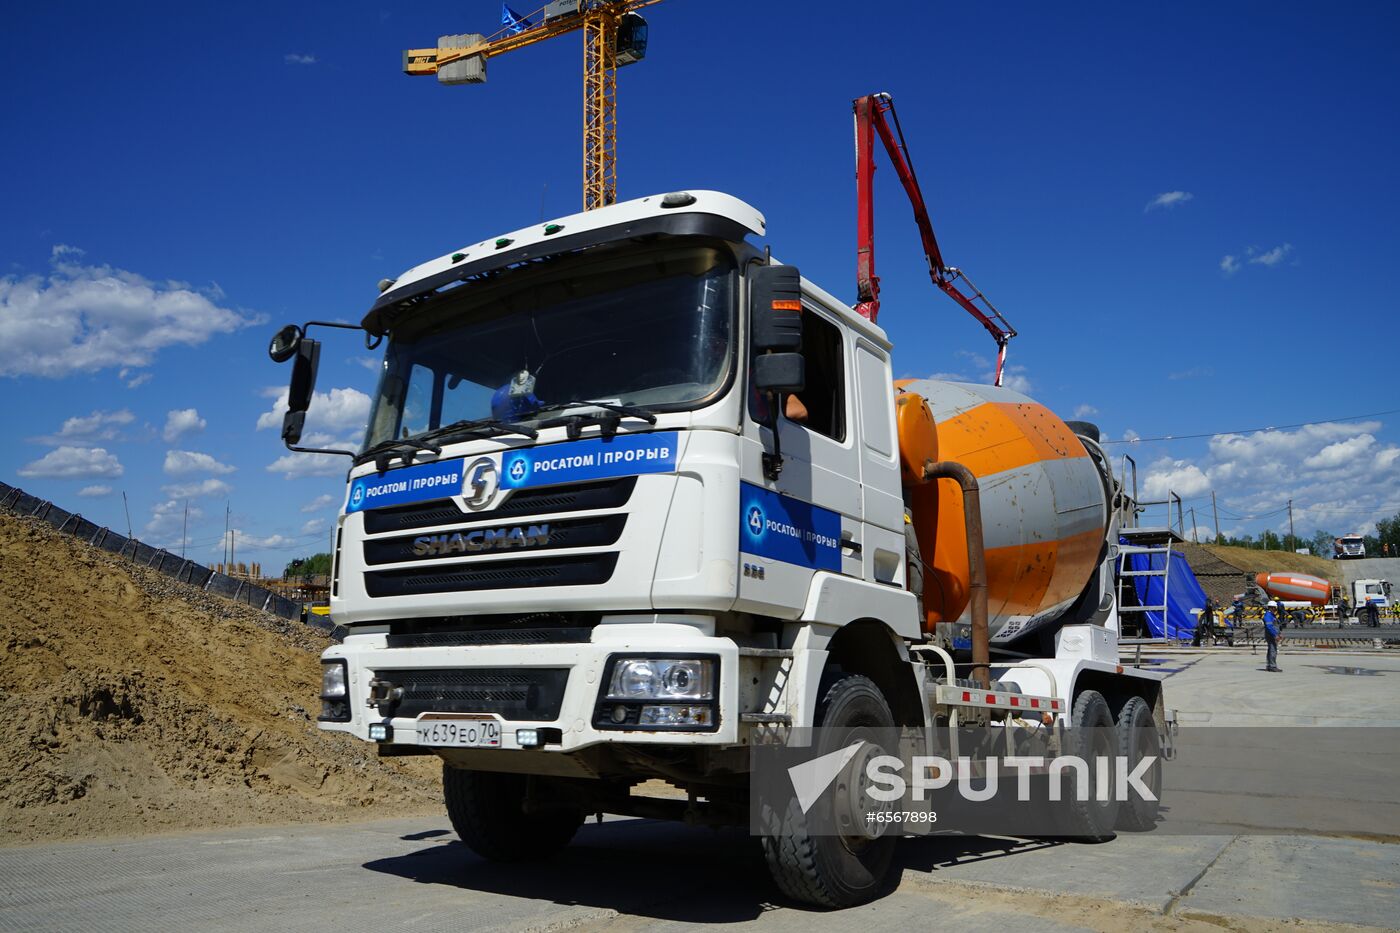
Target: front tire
834, 870
487, 810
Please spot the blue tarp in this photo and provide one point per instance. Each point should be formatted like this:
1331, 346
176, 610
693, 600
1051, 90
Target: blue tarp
1184, 594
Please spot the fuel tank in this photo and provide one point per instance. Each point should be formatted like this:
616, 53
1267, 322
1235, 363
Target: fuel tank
1295, 586
1045, 508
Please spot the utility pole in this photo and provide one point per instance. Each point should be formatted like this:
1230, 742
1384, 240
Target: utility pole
1195, 538
1217, 516
230, 549
128, 514
1291, 541
226, 537
185, 530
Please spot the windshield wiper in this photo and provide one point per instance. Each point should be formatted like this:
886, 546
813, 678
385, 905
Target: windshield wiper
608, 419
480, 428
384, 452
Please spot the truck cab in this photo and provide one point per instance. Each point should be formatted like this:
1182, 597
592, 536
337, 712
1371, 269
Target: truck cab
635, 497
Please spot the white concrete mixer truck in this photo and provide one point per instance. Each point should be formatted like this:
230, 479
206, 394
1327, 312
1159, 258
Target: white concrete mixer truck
635, 497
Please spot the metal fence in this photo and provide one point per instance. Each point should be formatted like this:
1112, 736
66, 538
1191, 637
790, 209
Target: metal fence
186, 571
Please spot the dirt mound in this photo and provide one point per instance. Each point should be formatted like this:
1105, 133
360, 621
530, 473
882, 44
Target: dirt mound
1251, 561
134, 704
1222, 570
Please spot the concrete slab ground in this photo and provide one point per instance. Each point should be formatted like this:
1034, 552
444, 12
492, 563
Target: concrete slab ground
641, 875
1229, 687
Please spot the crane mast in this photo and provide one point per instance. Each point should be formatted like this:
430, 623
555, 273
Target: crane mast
462, 60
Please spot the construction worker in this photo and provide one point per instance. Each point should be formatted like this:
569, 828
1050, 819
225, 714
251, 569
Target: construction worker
1205, 624
1271, 638
1238, 608
1373, 612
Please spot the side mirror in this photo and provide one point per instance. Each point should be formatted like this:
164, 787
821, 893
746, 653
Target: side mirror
304, 368
775, 303
292, 424
302, 387
780, 372
284, 343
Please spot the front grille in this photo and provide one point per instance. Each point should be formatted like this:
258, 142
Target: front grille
584, 570
606, 494
529, 694
491, 636
531, 628
569, 533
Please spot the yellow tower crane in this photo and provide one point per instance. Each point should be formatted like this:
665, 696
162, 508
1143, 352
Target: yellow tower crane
614, 34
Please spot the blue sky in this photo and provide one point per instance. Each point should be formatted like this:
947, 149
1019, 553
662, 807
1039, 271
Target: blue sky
1186, 210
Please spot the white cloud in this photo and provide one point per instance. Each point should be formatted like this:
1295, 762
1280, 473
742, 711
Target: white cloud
293, 465
1178, 476
1168, 199
93, 492
297, 58
1084, 411
243, 542
208, 487
89, 429
313, 525
1339, 476
185, 462
338, 411
1230, 265
182, 421
168, 520
1015, 379
1273, 257
74, 463
318, 503
1195, 372
1340, 453
82, 318
139, 379
1012, 377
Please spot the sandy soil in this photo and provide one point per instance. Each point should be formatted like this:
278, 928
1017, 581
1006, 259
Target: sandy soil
134, 704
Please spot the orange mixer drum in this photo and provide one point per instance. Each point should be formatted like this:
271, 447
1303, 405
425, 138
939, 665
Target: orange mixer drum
1044, 508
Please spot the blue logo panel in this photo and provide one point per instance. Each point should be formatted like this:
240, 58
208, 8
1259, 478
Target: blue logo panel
595, 458
410, 484
782, 528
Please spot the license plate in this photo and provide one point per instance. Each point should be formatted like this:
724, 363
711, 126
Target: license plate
460, 732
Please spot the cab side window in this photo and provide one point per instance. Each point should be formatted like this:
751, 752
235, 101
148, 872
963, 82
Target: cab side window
821, 406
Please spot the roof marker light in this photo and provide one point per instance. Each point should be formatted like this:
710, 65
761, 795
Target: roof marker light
458, 257
503, 242
551, 229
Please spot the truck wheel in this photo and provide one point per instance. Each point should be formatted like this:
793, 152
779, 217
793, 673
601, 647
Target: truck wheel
1138, 738
835, 870
487, 811
1092, 737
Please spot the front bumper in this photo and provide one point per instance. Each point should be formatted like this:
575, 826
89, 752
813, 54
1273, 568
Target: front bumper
586, 664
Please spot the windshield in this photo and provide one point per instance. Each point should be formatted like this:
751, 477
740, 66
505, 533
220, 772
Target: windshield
643, 326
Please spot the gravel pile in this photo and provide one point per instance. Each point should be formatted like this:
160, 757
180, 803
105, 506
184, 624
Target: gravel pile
136, 704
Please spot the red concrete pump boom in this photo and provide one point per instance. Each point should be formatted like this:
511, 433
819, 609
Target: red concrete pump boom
875, 114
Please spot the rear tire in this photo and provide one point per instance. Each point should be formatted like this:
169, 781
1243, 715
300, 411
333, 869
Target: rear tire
1092, 737
487, 810
1138, 737
829, 870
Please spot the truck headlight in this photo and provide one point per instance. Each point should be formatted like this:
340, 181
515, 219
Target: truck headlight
662, 679
659, 693
335, 692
